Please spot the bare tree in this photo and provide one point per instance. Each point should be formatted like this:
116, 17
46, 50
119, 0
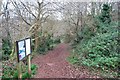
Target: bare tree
0, 7
73, 15
6, 18
38, 11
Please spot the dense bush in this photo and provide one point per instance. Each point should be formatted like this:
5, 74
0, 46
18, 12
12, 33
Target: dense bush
105, 16
87, 33
100, 49
47, 43
6, 48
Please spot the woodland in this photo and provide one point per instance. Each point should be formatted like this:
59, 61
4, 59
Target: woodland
90, 29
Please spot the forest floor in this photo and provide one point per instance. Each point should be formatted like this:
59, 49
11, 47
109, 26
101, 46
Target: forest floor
55, 65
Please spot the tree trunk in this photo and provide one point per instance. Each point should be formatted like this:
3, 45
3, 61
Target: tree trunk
93, 8
36, 40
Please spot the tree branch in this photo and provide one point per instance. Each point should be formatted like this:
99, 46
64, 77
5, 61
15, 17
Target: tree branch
19, 12
28, 10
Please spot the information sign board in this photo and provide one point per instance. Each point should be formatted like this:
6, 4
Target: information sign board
23, 48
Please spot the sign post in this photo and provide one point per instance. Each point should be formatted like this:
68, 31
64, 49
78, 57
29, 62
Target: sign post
28, 51
19, 64
19, 70
23, 48
29, 65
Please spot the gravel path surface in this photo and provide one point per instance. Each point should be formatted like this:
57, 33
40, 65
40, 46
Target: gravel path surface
55, 65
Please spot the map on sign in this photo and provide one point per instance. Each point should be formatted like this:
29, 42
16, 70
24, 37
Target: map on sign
23, 48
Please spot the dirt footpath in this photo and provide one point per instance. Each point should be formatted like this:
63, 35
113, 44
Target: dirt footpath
55, 65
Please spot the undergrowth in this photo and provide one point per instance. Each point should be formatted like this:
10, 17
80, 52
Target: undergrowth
10, 71
98, 48
47, 43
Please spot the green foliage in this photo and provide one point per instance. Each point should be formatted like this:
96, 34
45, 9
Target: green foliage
101, 51
6, 48
99, 48
105, 14
7, 71
87, 31
26, 75
15, 75
73, 59
12, 72
47, 43
33, 69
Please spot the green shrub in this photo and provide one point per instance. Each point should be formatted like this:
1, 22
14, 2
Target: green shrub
105, 14
33, 67
73, 59
12, 72
47, 43
101, 51
6, 48
15, 75
26, 75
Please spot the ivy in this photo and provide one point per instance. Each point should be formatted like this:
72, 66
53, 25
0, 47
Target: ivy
99, 48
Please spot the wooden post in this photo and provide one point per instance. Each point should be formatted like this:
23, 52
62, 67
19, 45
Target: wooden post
29, 65
19, 70
19, 65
